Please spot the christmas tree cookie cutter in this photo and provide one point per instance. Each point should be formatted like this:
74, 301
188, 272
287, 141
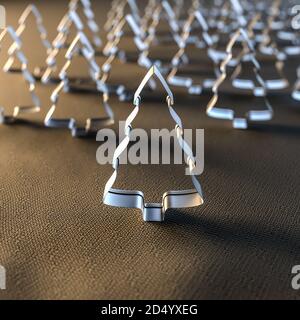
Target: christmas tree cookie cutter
60, 42
268, 47
112, 51
153, 212
30, 10
178, 59
148, 12
247, 54
81, 43
71, 18
118, 11
90, 19
292, 35
293, 42
296, 91
162, 11
233, 11
229, 114
28, 77
112, 46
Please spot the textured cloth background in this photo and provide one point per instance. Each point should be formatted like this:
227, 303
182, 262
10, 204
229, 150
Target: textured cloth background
58, 241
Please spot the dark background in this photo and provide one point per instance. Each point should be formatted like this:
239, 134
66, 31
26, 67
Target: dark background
58, 240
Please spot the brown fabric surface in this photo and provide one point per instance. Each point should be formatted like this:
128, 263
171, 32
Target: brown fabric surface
58, 241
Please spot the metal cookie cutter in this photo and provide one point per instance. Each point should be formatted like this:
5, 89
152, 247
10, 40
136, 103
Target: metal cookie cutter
82, 43
275, 13
90, 19
18, 54
178, 59
231, 18
30, 10
268, 47
112, 51
60, 42
118, 11
115, 14
148, 12
153, 212
162, 11
246, 56
291, 40
229, 114
171, 18
290, 35
296, 91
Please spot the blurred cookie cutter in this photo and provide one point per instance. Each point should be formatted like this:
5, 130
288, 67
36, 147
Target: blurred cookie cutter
229, 114
117, 13
239, 12
30, 10
112, 51
292, 34
248, 84
293, 38
82, 43
268, 47
28, 77
171, 16
90, 18
179, 58
60, 42
296, 90
112, 48
153, 212
218, 55
152, 39
70, 19
146, 19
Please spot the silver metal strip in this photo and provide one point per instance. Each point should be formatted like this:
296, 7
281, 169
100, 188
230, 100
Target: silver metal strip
28, 77
80, 44
229, 114
30, 10
153, 212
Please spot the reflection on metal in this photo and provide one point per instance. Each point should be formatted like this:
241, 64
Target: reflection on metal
82, 44
154, 212
30, 10
19, 55
259, 91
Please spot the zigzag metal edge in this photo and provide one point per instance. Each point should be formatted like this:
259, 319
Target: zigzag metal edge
92, 124
228, 114
28, 77
154, 212
30, 9
180, 56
